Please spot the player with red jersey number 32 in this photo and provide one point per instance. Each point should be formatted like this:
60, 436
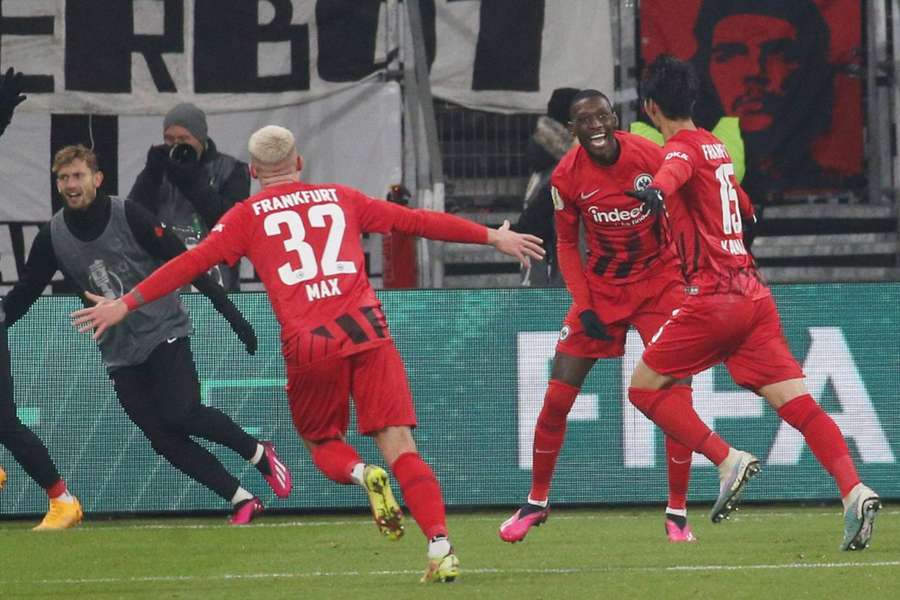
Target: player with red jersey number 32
304, 242
731, 316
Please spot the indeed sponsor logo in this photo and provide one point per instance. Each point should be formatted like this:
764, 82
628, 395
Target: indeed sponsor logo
675, 154
618, 215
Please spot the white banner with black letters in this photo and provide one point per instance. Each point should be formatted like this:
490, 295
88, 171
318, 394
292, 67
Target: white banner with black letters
102, 73
141, 56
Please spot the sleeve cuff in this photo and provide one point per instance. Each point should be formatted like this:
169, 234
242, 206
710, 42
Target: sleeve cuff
133, 300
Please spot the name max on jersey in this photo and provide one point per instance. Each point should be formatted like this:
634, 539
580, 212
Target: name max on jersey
322, 289
315, 196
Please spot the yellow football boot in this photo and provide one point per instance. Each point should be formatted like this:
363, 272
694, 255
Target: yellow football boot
385, 509
441, 569
62, 515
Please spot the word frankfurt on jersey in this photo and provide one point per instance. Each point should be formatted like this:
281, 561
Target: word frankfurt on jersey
294, 199
715, 152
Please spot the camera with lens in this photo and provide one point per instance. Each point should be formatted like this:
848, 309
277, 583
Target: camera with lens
183, 154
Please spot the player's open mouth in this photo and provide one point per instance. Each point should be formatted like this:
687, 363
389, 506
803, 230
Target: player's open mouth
598, 140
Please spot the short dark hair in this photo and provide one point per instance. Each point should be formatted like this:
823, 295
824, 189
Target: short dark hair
672, 84
560, 100
588, 93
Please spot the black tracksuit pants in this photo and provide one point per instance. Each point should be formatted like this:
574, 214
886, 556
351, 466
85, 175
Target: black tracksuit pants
28, 450
162, 397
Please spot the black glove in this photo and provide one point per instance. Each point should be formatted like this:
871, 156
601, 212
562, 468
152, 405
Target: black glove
10, 96
593, 326
156, 160
183, 174
245, 333
651, 199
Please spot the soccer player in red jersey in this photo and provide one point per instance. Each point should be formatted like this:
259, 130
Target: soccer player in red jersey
304, 242
629, 279
730, 315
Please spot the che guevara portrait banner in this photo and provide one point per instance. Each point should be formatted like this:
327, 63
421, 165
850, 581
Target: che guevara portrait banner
790, 71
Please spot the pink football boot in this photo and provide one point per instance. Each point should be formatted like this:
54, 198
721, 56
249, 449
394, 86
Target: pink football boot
516, 527
675, 533
246, 511
279, 478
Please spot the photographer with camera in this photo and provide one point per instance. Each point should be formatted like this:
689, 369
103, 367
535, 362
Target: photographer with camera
188, 184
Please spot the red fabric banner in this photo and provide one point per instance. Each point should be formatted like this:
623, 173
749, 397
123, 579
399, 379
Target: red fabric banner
791, 71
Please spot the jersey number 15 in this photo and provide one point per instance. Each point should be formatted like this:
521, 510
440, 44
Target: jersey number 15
731, 219
309, 266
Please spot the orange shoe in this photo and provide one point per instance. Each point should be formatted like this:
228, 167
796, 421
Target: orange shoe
62, 515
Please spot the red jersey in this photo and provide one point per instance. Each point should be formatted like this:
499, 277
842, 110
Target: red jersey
623, 243
304, 242
706, 217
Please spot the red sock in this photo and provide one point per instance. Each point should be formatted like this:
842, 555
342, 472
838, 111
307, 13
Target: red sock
57, 489
336, 459
678, 419
678, 458
549, 435
824, 438
421, 493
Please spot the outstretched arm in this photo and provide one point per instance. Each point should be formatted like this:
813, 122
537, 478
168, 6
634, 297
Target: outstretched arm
161, 243
382, 217
174, 274
225, 243
676, 169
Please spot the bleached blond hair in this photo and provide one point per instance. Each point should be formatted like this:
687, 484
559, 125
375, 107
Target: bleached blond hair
271, 145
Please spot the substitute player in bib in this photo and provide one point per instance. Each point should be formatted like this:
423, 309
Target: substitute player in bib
107, 245
630, 279
304, 242
731, 317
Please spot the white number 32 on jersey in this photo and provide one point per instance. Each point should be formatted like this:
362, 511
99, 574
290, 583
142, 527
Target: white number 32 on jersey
310, 266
